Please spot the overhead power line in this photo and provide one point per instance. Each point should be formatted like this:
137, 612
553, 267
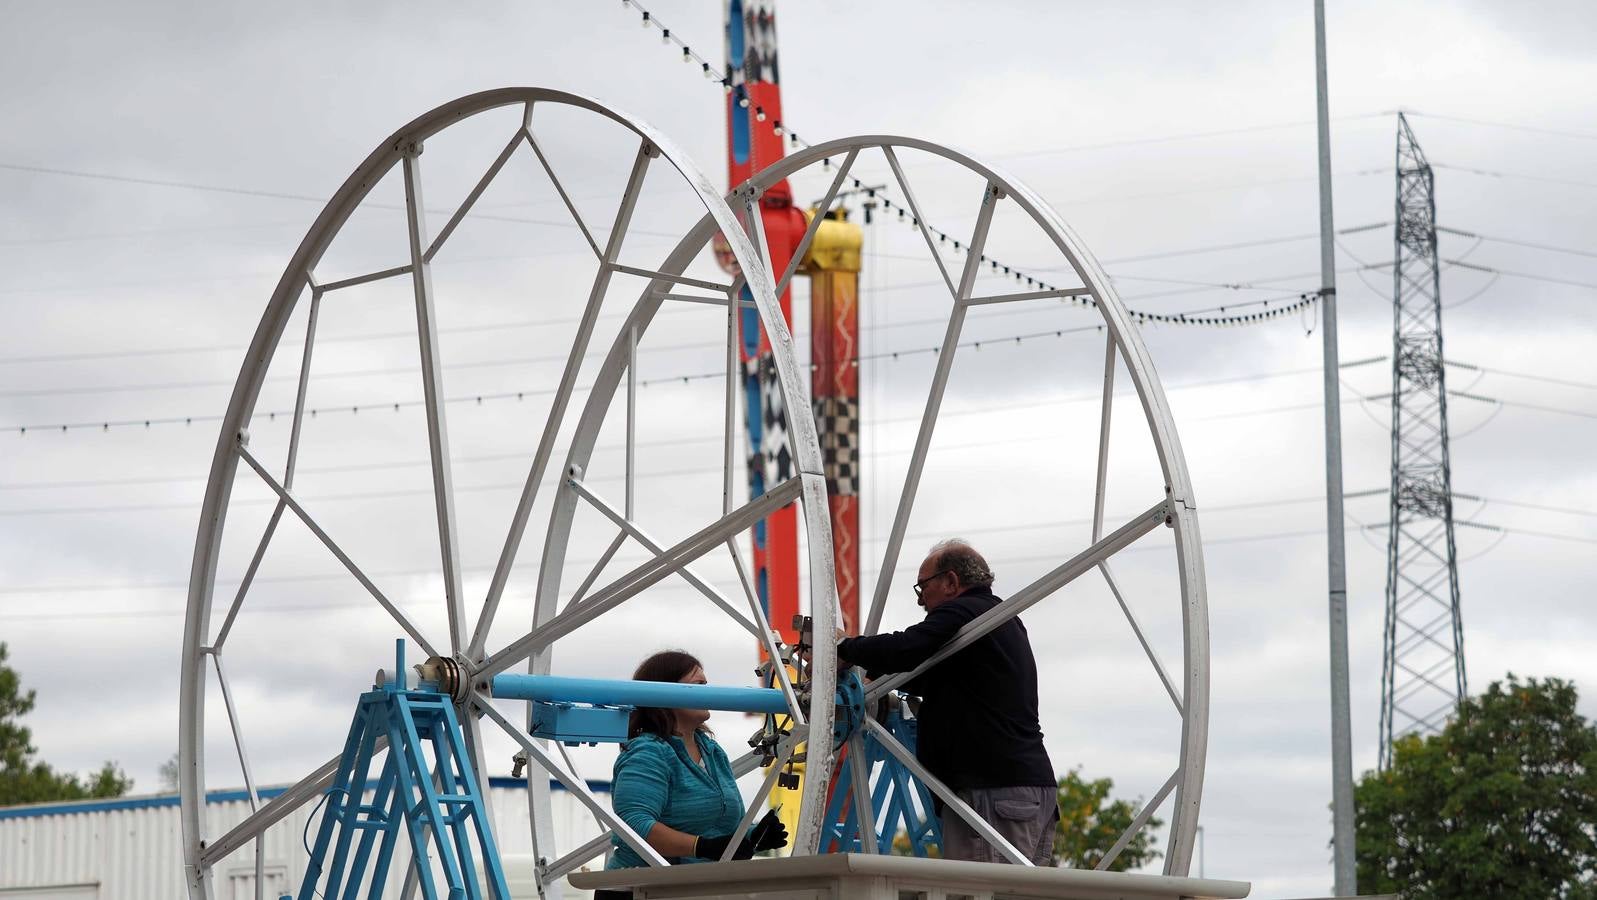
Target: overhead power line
904, 213
161, 182
1518, 243
1529, 275
1494, 173
1239, 245
1492, 370
1532, 129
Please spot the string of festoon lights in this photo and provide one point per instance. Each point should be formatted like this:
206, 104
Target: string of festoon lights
479, 399
904, 214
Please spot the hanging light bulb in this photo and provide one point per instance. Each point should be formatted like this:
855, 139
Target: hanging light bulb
665, 35
687, 55
759, 114
777, 126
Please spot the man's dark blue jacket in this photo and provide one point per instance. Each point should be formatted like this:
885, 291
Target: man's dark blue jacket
978, 716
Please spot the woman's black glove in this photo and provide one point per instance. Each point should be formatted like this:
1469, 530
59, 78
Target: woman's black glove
769, 834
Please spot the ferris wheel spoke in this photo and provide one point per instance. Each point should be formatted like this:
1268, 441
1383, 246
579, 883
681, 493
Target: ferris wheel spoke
562, 398
249, 577
642, 577
337, 551
1139, 822
767, 634
432, 379
572, 783
238, 732
526, 129
1142, 639
572, 861
729, 400
759, 801
754, 224
295, 430
653, 546
278, 808
1058, 293
598, 566
367, 278
815, 223
471, 198
1098, 500
920, 222
950, 799
934, 403
1105, 410
1031, 594
859, 784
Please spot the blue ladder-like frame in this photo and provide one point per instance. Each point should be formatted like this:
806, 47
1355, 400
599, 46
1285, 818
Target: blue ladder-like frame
897, 791
440, 806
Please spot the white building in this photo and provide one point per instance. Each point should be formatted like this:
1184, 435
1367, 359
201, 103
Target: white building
130, 848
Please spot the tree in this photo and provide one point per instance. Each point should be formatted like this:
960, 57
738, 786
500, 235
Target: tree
1090, 823
168, 773
1502, 803
25, 780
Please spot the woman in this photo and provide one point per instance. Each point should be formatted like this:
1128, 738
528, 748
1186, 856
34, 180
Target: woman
673, 784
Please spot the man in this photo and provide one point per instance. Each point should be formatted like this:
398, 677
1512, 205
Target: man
978, 717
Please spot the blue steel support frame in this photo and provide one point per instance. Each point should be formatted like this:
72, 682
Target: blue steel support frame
907, 802
439, 804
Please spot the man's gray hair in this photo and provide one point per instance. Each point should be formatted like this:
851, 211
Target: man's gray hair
962, 559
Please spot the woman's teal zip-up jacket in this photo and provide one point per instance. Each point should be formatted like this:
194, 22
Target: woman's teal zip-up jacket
656, 781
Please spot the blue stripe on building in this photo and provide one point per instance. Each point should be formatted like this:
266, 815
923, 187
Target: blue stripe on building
78, 807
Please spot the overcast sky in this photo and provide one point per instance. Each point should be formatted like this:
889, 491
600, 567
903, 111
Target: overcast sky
1151, 130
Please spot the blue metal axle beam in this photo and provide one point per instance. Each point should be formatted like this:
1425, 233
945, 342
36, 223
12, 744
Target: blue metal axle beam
615, 692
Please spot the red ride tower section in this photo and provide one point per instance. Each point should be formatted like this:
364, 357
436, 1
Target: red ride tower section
753, 105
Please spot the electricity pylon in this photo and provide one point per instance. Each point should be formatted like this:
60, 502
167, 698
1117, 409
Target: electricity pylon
1422, 672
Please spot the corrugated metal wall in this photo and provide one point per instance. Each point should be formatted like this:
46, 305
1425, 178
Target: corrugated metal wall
132, 848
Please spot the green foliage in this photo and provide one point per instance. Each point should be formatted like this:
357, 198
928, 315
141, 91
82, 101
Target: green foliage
1501, 804
25, 780
902, 846
1090, 823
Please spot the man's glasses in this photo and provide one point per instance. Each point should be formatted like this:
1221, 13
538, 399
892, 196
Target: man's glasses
921, 585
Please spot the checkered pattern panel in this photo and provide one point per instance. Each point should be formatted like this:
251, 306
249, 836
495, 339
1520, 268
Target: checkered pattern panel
837, 420
776, 453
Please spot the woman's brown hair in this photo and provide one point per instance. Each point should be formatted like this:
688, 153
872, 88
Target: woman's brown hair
667, 665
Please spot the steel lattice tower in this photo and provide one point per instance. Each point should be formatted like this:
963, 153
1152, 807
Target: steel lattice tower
1422, 673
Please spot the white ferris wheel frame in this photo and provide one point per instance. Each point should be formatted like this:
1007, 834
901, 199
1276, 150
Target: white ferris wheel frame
467, 644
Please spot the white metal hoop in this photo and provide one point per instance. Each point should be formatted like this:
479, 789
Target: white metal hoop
202, 851
1188, 688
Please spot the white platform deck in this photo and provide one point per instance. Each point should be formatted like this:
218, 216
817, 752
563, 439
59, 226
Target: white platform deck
869, 877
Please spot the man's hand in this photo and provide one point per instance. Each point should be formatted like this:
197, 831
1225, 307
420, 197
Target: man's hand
837, 638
